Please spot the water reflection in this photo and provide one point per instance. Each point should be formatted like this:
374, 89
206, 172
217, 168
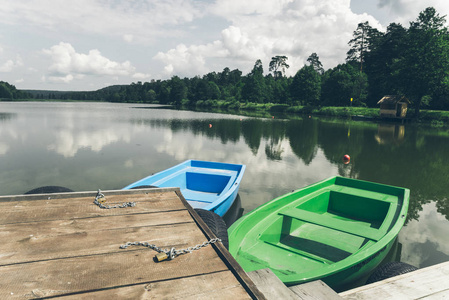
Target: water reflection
390, 133
68, 142
384, 154
426, 245
6, 116
107, 146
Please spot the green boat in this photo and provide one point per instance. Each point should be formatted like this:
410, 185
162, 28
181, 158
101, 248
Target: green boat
337, 230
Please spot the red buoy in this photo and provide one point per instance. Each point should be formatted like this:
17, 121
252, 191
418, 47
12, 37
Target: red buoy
346, 159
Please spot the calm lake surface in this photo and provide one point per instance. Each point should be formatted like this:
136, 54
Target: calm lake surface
91, 146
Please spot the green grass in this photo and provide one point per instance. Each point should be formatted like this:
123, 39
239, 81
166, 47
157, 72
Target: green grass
434, 117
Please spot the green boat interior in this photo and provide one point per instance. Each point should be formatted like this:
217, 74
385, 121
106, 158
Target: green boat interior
329, 225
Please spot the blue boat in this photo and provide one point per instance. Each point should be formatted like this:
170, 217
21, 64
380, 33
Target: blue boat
207, 185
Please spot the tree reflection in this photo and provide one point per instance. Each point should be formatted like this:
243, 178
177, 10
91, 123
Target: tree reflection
273, 151
402, 159
7, 116
252, 133
303, 137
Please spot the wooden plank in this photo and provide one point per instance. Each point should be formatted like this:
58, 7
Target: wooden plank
63, 244
426, 283
56, 208
39, 243
271, 286
97, 272
220, 285
315, 290
226, 257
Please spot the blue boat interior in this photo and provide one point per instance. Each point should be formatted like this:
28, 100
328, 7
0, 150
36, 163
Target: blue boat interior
199, 184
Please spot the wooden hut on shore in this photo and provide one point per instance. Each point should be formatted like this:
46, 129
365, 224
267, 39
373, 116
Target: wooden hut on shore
393, 106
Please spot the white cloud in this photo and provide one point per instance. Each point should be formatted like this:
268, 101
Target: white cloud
239, 44
146, 19
404, 11
141, 76
190, 61
65, 79
7, 66
128, 38
68, 64
295, 28
409, 9
10, 64
184, 37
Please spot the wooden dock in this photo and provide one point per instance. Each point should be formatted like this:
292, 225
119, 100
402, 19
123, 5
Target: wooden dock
429, 283
65, 246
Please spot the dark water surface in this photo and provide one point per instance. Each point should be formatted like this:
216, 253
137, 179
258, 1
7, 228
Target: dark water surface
87, 146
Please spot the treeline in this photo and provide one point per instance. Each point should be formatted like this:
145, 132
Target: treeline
9, 92
413, 62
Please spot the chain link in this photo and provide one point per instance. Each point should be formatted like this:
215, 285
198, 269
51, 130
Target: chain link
171, 253
100, 199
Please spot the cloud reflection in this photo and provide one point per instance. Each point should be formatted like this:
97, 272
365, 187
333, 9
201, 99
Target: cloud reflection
429, 233
68, 142
3, 148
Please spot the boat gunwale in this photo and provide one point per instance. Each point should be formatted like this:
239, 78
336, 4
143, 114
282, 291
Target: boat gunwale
359, 256
222, 197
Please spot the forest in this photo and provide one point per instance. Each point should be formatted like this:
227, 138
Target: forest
412, 62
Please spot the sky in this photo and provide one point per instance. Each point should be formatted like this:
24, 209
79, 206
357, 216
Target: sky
86, 45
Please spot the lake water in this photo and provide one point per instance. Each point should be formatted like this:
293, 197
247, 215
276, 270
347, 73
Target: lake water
91, 146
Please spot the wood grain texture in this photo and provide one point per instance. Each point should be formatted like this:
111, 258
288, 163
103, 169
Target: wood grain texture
222, 285
315, 290
39, 243
83, 207
271, 286
64, 245
97, 272
427, 283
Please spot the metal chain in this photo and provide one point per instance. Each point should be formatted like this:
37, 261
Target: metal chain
100, 204
171, 253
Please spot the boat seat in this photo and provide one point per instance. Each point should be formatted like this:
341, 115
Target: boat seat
365, 193
333, 223
199, 196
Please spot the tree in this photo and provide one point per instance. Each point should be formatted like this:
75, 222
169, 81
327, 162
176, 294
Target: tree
380, 60
423, 68
342, 83
315, 62
278, 66
9, 91
5, 91
361, 43
164, 93
178, 90
254, 87
306, 86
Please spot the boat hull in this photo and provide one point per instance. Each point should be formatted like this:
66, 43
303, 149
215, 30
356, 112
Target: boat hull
207, 185
337, 230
